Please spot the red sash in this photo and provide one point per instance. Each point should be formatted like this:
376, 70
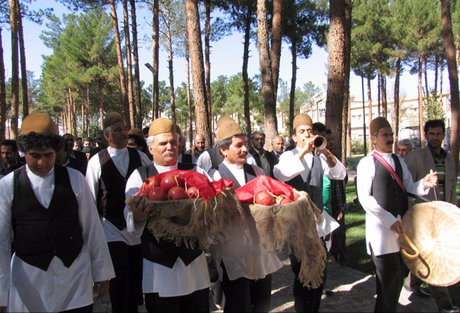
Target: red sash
390, 170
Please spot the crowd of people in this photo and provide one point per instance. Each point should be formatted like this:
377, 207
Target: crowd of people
66, 230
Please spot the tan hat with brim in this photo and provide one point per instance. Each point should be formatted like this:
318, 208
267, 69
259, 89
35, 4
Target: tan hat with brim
378, 123
302, 119
224, 119
161, 125
40, 123
227, 130
112, 118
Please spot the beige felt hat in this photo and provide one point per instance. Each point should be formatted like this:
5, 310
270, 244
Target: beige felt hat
136, 132
302, 119
378, 123
161, 125
112, 118
40, 123
228, 129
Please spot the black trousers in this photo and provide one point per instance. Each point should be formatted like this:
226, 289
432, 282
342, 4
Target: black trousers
126, 287
391, 271
84, 309
246, 295
305, 299
197, 301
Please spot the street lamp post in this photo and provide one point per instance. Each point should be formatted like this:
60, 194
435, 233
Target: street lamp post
364, 118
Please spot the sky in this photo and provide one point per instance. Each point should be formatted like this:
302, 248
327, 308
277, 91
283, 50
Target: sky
226, 58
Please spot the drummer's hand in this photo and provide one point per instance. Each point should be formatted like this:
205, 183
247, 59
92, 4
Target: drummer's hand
397, 227
430, 180
102, 288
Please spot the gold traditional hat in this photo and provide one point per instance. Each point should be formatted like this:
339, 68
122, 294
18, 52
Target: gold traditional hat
161, 125
112, 118
302, 119
136, 132
432, 249
378, 123
40, 123
228, 129
224, 119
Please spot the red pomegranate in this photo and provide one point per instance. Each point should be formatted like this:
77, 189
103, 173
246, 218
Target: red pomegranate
170, 181
285, 200
156, 194
153, 181
193, 192
264, 198
177, 193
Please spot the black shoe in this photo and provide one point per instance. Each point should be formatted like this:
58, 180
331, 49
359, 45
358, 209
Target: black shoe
422, 293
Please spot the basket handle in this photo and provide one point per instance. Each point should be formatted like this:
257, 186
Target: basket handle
412, 246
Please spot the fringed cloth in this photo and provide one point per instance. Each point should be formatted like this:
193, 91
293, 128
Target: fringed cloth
293, 226
221, 221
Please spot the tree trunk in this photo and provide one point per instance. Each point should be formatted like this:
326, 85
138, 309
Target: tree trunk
336, 72
420, 103
73, 113
207, 56
270, 125
172, 99
14, 69
187, 87
129, 65
2, 91
293, 84
396, 104
156, 59
346, 140
247, 38
121, 73
22, 50
436, 65
453, 77
276, 43
101, 106
369, 108
425, 72
196, 54
137, 79
383, 85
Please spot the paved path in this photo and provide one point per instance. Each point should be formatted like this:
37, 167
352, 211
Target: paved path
353, 292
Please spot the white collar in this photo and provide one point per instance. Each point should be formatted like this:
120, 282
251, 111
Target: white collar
232, 165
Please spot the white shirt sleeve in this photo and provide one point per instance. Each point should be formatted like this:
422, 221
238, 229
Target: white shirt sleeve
93, 235
93, 173
6, 199
337, 172
132, 186
204, 161
288, 167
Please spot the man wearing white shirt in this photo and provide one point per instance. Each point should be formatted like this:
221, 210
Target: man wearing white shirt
303, 169
175, 279
243, 292
107, 174
48, 216
382, 181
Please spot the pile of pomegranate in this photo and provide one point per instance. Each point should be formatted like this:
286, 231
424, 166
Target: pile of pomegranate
266, 197
169, 187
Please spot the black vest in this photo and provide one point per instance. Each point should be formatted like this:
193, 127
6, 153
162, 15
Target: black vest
111, 193
386, 190
249, 173
314, 183
161, 251
41, 233
264, 160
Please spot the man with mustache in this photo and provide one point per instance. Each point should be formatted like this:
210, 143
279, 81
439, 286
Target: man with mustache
420, 162
106, 175
50, 219
175, 279
242, 292
382, 181
303, 168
